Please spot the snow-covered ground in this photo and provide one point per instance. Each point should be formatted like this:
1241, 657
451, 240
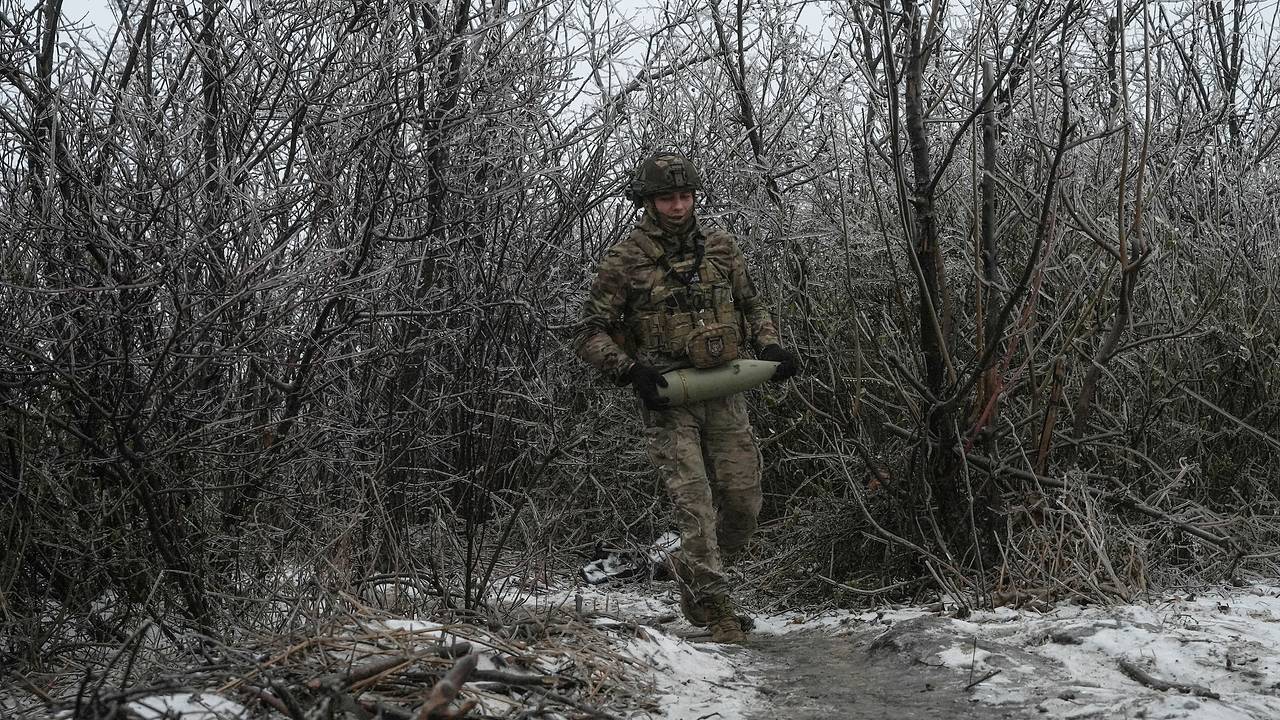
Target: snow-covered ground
188, 706
1219, 649
691, 679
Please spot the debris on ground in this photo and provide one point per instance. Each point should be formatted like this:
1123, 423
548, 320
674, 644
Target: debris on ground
620, 650
555, 655
610, 564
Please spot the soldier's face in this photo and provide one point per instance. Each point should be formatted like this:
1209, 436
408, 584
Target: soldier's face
674, 206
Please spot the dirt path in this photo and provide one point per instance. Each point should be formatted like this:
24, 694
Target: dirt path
814, 675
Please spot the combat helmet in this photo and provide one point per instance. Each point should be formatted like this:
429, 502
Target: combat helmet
663, 172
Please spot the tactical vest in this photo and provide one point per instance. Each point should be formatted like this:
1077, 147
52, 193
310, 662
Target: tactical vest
690, 294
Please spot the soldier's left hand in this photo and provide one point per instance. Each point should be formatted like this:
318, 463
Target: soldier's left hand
788, 363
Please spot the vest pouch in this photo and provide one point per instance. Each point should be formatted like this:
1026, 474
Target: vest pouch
676, 330
712, 345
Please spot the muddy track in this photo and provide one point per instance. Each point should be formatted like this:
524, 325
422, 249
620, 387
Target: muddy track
812, 675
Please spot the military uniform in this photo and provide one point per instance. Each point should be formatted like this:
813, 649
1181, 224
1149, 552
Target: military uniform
652, 293
636, 299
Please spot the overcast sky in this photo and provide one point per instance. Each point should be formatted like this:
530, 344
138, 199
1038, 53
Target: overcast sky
98, 12
93, 11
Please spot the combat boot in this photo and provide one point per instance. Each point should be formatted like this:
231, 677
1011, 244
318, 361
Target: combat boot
723, 621
696, 613
693, 611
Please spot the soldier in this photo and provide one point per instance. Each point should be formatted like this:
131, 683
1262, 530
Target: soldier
675, 293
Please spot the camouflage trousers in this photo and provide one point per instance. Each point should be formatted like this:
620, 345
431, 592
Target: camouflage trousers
710, 462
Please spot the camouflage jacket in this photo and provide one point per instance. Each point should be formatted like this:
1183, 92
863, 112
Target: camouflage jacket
639, 309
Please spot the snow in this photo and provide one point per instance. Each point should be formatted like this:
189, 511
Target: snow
830, 621
965, 659
694, 680
187, 706
1064, 663
1067, 660
1059, 664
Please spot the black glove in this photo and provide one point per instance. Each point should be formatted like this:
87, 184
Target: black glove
646, 381
788, 364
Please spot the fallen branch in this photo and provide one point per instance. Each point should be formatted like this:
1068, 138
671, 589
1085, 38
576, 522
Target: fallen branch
359, 673
983, 679
444, 692
385, 710
1155, 683
868, 593
514, 679
581, 706
266, 697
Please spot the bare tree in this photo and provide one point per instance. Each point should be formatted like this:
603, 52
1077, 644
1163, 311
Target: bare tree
292, 288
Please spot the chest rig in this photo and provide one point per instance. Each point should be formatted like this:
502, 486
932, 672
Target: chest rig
688, 312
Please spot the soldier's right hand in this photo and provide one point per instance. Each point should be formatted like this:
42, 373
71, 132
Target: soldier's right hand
788, 363
646, 381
